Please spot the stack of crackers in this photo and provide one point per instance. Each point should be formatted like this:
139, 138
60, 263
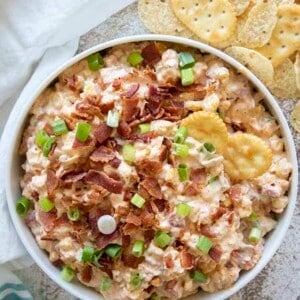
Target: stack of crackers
264, 35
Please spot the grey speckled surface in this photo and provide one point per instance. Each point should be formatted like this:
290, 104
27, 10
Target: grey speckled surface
279, 280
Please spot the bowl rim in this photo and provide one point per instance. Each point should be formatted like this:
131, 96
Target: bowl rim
11, 135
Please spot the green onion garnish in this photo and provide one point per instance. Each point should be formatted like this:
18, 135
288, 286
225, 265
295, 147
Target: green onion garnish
183, 210
67, 273
180, 135
186, 60
59, 127
162, 239
204, 244
212, 179
187, 76
48, 145
135, 58
83, 131
112, 119
95, 61
87, 254
41, 138
128, 152
154, 297
113, 250
210, 148
198, 276
22, 206
136, 281
183, 172
137, 200
181, 150
253, 217
73, 214
46, 205
254, 235
97, 255
138, 248
144, 128
105, 284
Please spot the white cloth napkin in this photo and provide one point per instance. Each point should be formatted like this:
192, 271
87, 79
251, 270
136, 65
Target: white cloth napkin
37, 36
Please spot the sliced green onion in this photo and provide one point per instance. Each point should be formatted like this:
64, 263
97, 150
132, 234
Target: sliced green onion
97, 255
253, 217
87, 254
183, 172
137, 200
59, 127
136, 281
138, 248
95, 61
128, 152
187, 76
67, 273
204, 244
48, 145
73, 214
210, 148
105, 284
181, 150
144, 128
212, 179
112, 119
22, 206
154, 297
41, 138
254, 235
186, 60
162, 239
113, 250
198, 276
180, 135
135, 58
83, 131
46, 205
183, 210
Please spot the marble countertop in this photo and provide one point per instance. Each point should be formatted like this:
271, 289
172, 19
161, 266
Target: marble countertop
279, 280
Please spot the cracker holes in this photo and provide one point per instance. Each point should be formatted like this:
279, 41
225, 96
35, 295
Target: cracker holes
223, 12
209, 15
196, 19
182, 8
196, 4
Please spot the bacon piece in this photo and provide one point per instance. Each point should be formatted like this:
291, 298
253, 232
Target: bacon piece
124, 129
106, 107
205, 229
149, 167
131, 261
171, 160
155, 100
133, 219
129, 229
47, 220
151, 185
187, 260
215, 253
100, 178
158, 205
52, 182
105, 239
102, 132
122, 211
235, 192
102, 154
191, 189
130, 108
115, 162
148, 218
117, 84
149, 235
198, 175
95, 213
169, 261
48, 128
86, 273
151, 54
86, 110
175, 108
132, 90
219, 213
163, 153
73, 177
78, 144
145, 138
171, 284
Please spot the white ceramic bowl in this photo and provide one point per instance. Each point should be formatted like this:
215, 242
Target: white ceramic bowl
16, 124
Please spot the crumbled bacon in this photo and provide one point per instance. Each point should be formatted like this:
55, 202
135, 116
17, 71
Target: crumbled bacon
116, 84
149, 235
205, 229
129, 229
73, 177
48, 128
47, 220
148, 219
105, 239
147, 118
149, 167
86, 110
95, 213
151, 54
174, 108
191, 189
86, 273
100, 178
171, 284
169, 261
122, 211
187, 260
102, 154
132, 90
198, 175
124, 129
152, 186
133, 219
102, 132
112, 144
215, 253
106, 107
52, 182
115, 162
235, 192
130, 108
145, 137
219, 213
78, 144
158, 205
163, 153
131, 261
